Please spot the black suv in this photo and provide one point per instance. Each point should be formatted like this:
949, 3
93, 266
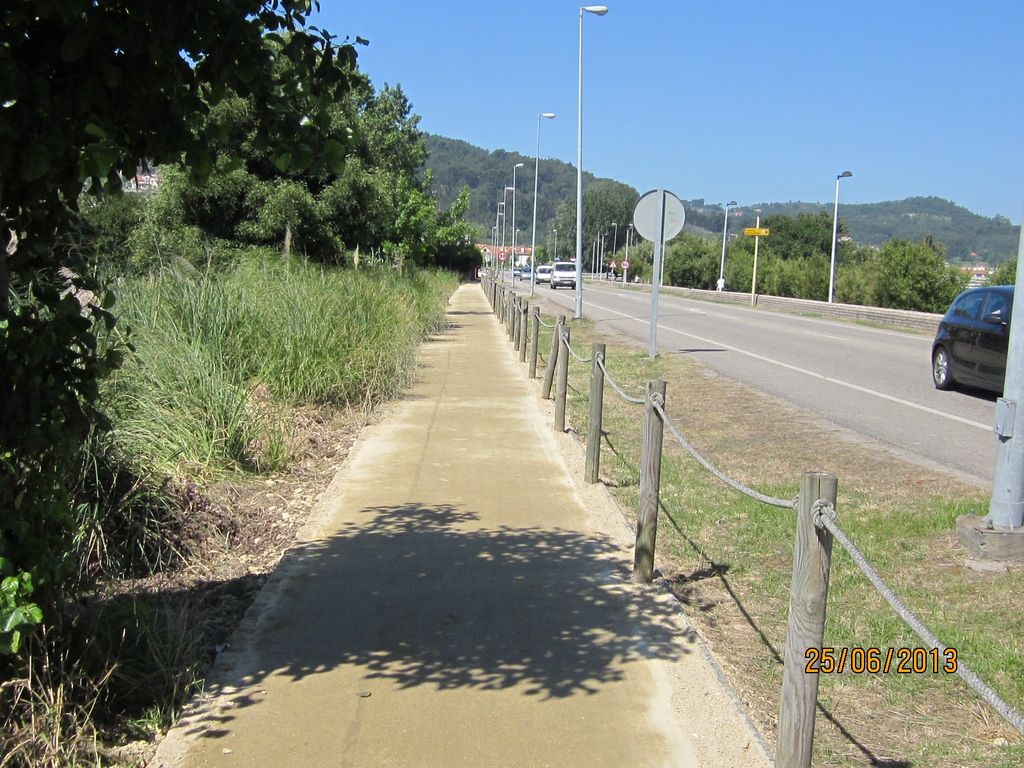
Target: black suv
970, 346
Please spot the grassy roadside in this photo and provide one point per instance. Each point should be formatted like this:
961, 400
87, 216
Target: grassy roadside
729, 558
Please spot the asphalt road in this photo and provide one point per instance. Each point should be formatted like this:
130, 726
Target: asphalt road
874, 382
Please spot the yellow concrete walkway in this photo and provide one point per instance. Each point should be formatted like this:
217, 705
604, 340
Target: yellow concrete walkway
450, 604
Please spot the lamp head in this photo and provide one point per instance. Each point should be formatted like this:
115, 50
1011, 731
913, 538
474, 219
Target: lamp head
730, 204
519, 165
597, 10
548, 115
844, 175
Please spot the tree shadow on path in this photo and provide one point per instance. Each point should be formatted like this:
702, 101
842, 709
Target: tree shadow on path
422, 595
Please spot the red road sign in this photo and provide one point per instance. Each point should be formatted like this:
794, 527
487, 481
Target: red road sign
625, 264
502, 256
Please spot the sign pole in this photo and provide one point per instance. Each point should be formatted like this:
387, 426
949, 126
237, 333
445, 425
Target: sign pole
753, 282
659, 245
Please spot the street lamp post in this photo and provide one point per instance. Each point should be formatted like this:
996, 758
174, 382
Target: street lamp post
555, 249
501, 217
615, 238
597, 10
725, 232
536, 171
514, 230
835, 235
504, 220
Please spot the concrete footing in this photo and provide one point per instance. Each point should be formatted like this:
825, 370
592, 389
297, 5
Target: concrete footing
990, 543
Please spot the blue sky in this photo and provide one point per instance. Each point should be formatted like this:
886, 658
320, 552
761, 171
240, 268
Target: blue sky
754, 102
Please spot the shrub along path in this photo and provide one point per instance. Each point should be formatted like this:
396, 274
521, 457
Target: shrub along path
456, 600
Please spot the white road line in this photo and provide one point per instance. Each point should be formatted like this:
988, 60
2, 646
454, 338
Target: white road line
814, 374
825, 335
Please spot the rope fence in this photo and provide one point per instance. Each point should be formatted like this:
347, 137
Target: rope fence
617, 387
826, 518
816, 523
731, 482
573, 352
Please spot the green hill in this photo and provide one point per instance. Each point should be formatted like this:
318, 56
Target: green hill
967, 236
456, 163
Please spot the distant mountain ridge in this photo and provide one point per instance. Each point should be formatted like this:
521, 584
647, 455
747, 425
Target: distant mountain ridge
967, 236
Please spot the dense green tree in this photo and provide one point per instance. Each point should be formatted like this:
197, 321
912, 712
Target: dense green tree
916, 276
89, 92
604, 202
1005, 273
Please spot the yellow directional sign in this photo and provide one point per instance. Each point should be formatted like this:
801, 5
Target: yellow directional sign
756, 231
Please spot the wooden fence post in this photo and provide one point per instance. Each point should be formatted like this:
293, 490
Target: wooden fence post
534, 341
812, 559
650, 485
508, 315
523, 321
549, 371
561, 378
515, 323
593, 464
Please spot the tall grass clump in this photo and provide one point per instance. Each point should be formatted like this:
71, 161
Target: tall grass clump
215, 355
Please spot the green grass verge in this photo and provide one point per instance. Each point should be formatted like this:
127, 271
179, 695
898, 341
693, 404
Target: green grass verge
729, 560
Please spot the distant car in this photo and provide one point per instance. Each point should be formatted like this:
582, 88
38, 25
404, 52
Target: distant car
971, 343
524, 272
563, 274
544, 273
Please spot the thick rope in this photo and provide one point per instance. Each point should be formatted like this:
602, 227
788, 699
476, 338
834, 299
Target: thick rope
568, 346
546, 325
825, 517
619, 390
735, 484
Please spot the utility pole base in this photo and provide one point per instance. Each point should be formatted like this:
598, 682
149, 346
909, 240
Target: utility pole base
984, 543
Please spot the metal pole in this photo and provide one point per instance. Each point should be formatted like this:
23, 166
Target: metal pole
578, 306
536, 172
753, 281
556, 247
725, 231
1006, 509
835, 237
659, 246
598, 10
514, 230
615, 237
832, 263
504, 220
629, 232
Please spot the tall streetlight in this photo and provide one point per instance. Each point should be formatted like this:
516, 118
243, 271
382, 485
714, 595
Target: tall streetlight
835, 235
725, 232
555, 249
514, 230
536, 169
615, 238
504, 220
597, 10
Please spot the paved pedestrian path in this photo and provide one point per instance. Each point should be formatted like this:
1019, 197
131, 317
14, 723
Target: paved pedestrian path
452, 605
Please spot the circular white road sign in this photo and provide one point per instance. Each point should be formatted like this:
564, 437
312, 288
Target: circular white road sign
647, 215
